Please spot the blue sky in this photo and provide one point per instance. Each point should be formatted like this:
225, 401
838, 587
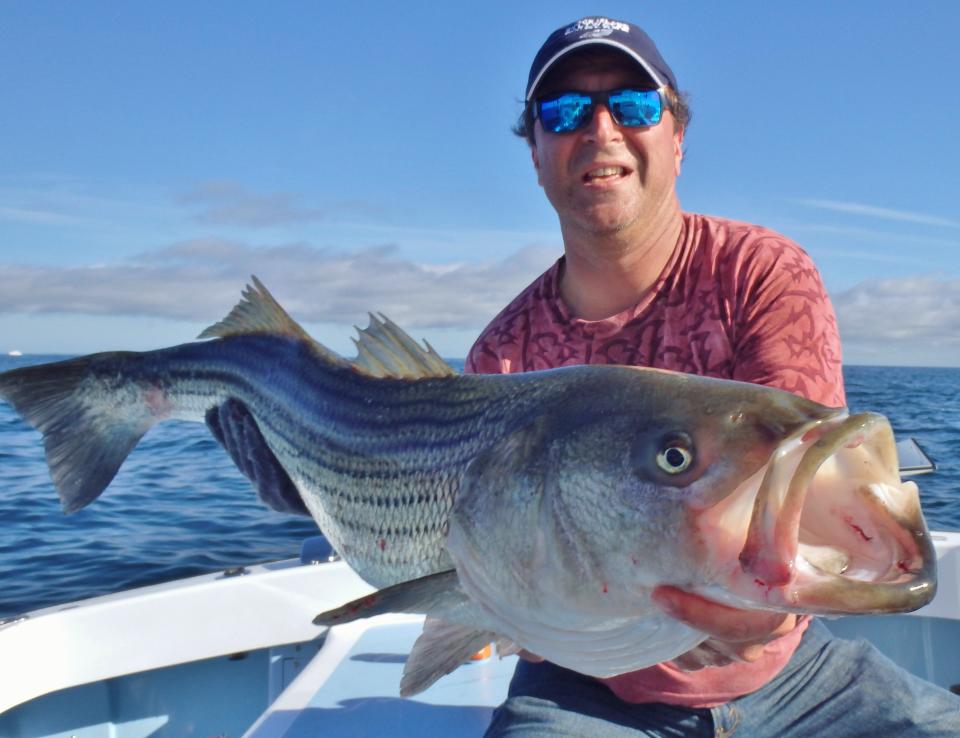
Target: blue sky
357, 156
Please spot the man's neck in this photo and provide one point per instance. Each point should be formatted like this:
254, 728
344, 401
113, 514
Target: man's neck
605, 275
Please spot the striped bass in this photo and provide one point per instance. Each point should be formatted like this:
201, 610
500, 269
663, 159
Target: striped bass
540, 509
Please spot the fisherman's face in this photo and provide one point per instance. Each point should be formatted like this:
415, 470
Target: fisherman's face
604, 178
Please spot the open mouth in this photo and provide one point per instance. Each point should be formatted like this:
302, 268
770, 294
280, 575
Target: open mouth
834, 529
603, 174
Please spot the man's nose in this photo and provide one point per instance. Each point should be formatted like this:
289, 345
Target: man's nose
602, 126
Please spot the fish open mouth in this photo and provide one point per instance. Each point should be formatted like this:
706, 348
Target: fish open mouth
834, 529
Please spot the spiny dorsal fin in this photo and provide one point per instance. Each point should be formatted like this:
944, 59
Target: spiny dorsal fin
384, 349
259, 312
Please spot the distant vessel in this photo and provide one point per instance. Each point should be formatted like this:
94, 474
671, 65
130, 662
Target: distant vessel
15, 352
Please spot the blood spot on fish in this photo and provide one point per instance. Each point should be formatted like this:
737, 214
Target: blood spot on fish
849, 521
605, 588
157, 402
357, 607
759, 582
902, 566
382, 543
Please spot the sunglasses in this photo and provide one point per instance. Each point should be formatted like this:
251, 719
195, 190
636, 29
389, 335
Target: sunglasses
564, 112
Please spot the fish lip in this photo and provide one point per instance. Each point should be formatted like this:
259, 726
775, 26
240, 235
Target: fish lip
771, 554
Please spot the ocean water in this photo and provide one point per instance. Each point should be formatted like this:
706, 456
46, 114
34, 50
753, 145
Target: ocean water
178, 507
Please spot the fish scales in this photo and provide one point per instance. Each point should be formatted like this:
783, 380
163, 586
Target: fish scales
385, 497
357, 462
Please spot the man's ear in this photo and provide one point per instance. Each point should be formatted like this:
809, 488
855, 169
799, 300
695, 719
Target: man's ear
678, 150
535, 158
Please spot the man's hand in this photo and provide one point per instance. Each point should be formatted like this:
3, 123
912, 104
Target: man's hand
735, 635
235, 428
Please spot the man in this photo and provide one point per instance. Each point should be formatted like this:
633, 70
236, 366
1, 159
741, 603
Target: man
641, 282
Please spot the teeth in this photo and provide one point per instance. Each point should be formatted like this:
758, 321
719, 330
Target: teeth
605, 172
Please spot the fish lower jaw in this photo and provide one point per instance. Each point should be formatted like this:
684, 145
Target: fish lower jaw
870, 561
828, 580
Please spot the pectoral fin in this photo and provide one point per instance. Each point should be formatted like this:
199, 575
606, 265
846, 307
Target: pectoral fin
439, 592
452, 632
440, 649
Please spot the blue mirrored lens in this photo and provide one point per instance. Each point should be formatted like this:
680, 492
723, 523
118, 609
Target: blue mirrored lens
635, 107
566, 112
572, 110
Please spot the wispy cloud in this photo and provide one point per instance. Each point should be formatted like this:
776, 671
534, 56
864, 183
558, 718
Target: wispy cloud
224, 202
35, 216
77, 204
199, 280
877, 236
871, 211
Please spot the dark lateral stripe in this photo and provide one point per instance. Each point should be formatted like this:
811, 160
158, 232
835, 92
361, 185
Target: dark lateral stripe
354, 428
325, 467
345, 398
403, 529
402, 499
348, 435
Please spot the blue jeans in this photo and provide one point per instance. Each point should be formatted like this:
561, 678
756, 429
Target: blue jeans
831, 688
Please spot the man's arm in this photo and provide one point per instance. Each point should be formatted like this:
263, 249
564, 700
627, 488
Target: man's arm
785, 328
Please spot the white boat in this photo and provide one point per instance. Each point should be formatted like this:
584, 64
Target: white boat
234, 653
15, 353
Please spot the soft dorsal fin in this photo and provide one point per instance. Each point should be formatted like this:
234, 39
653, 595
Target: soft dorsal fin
259, 312
384, 349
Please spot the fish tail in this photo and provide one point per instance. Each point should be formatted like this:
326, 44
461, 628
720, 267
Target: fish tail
91, 417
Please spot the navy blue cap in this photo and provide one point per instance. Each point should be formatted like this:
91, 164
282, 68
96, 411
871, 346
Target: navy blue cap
600, 31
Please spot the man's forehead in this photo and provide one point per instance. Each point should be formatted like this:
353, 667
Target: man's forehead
596, 61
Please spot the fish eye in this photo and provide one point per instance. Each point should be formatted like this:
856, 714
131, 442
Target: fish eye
675, 456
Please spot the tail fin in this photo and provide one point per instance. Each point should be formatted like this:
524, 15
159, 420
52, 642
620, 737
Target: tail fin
90, 416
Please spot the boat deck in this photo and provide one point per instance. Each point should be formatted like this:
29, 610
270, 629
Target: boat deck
351, 689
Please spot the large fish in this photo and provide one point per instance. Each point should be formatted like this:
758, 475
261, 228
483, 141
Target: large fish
540, 509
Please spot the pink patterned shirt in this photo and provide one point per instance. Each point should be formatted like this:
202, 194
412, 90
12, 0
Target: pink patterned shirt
735, 301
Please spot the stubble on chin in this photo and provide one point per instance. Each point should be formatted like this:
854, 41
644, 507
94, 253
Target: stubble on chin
598, 224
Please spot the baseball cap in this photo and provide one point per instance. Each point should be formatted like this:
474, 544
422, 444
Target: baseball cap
600, 31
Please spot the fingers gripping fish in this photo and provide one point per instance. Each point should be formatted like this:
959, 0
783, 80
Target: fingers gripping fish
537, 509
